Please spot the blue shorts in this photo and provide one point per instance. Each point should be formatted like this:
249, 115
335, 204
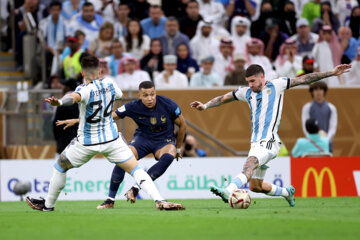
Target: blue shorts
146, 146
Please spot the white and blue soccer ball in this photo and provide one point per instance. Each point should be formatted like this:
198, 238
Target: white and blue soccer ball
239, 199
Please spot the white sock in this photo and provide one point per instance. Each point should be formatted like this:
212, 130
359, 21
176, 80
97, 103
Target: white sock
146, 183
238, 182
57, 183
278, 191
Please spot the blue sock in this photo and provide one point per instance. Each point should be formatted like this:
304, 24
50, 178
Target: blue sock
116, 179
160, 167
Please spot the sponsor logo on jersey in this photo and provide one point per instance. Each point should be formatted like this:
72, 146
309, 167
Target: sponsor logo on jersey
153, 120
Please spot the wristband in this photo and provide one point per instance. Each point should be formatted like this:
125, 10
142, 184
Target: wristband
178, 150
60, 102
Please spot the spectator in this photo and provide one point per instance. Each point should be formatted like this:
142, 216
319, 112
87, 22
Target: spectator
129, 74
153, 61
327, 17
100, 46
70, 8
170, 77
344, 9
189, 22
190, 148
139, 9
176, 8
54, 31
354, 22
288, 63
255, 55
245, 8
322, 111
87, 21
83, 43
223, 60
304, 38
107, 9
212, 11
122, 20
154, 25
352, 78
117, 53
237, 76
266, 13
38, 12
240, 33
185, 64
273, 38
71, 63
348, 44
312, 143
206, 77
327, 53
172, 37
288, 21
311, 11
135, 42
203, 42
307, 66
64, 136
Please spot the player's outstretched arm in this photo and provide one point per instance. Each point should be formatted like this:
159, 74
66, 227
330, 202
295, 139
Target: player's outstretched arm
66, 100
215, 102
314, 77
68, 123
180, 122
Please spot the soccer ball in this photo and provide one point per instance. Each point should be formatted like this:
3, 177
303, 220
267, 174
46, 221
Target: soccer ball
240, 199
22, 187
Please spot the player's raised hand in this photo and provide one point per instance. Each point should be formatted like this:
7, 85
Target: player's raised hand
53, 101
68, 123
198, 105
342, 68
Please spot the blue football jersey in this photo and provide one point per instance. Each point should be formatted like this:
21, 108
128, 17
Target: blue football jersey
157, 123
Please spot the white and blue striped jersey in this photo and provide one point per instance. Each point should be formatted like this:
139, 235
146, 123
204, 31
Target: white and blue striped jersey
265, 108
96, 123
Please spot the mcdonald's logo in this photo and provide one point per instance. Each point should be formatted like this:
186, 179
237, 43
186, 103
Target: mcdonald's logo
318, 178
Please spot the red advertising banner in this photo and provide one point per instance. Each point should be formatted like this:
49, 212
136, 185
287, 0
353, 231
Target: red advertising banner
326, 176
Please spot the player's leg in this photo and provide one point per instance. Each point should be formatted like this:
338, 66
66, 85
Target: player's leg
239, 181
118, 152
117, 177
165, 154
257, 184
78, 155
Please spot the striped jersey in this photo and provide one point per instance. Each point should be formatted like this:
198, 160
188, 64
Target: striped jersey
96, 123
265, 108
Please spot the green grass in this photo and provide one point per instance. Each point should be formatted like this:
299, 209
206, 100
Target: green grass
312, 218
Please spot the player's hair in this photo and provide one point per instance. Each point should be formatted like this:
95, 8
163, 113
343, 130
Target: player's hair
55, 4
172, 19
155, 6
318, 85
87, 4
79, 33
146, 85
193, 1
254, 70
90, 64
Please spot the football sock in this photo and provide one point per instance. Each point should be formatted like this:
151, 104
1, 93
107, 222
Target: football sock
160, 167
57, 183
278, 191
116, 179
238, 182
144, 181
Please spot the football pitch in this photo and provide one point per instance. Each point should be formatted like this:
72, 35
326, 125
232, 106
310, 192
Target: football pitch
312, 218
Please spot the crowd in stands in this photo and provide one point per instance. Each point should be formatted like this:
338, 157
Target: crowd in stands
205, 42
202, 43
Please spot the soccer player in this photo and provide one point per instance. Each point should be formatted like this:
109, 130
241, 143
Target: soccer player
97, 133
155, 117
265, 99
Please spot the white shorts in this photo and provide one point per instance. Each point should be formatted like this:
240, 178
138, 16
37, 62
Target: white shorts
264, 151
116, 152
